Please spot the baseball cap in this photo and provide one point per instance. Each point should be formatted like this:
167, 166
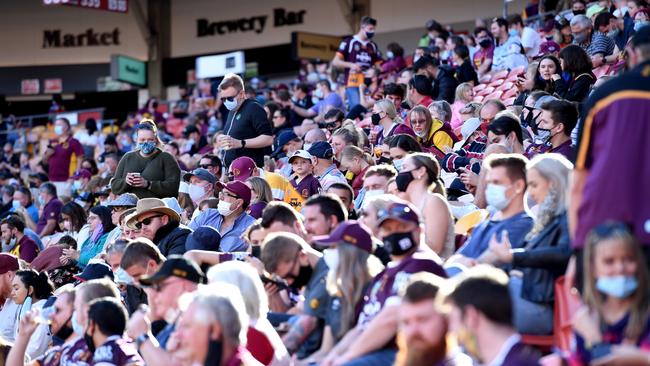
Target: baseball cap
300, 154
242, 168
8, 263
123, 200
238, 188
202, 174
398, 210
351, 232
641, 37
203, 238
82, 173
422, 84
283, 138
469, 127
594, 9
548, 47
94, 271
177, 266
321, 150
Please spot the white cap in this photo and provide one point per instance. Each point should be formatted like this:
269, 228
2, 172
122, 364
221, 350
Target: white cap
300, 154
468, 128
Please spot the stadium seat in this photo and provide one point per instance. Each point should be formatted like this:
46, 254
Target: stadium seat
487, 90
506, 86
466, 224
500, 74
508, 101
516, 71
511, 92
485, 79
600, 71
478, 98
495, 95
567, 302
497, 82
479, 87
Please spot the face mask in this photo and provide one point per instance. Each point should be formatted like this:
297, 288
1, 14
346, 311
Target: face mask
230, 105
16, 204
306, 146
613, 33
384, 160
579, 12
495, 196
97, 233
403, 180
76, 185
505, 143
398, 243
389, 54
88, 339
375, 118
367, 81
542, 136
416, 58
421, 134
303, 277
196, 192
224, 208
620, 287
65, 331
58, 130
485, 43
147, 147
331, 258
122, 277
215, 350
397, 163
256, 251
370, 34
318, 93
294, 99
76, 326
370, 194
580, 37
640, 24
41, 201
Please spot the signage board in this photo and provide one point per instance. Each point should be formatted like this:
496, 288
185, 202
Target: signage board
53, 86
30, 86
314, 46
118, 6
128, 70
220, 65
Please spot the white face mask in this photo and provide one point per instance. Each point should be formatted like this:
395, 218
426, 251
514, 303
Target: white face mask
224, 208
196, 192
397, 163
495, 196
306, 146
370, 194
331, 258
231, 105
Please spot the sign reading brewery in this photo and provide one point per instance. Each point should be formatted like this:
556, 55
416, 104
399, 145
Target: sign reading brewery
56, 38
257, 24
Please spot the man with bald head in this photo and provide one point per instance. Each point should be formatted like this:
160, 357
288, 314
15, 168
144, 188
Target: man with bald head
312, 136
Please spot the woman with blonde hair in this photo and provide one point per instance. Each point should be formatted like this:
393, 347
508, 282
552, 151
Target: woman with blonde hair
464, 95
261, 195
347, 135
545, 254
433, 134
147, 171
386, 122
261, 334
355, 161
419, 180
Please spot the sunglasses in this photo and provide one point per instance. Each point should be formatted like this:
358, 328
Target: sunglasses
418, 121
230, 99
206, 166
395, 210
607, 230
146, 221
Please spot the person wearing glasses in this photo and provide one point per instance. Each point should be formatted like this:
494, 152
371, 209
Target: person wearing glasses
248, 131
211, 163
434, 135
147, 171
160, 224
230, 217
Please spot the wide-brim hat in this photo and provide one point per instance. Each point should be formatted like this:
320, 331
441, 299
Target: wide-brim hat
150, 205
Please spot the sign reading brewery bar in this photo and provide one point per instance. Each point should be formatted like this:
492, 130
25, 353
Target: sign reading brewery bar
55, 38
257, 24
119, 6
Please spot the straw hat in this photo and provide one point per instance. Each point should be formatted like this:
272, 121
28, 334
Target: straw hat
150, 205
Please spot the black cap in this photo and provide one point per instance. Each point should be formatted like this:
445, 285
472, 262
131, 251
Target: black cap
203, 238
425, 61
177, 266
641, 37
94, 271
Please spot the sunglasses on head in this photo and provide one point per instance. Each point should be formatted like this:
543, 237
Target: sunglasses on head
146, 221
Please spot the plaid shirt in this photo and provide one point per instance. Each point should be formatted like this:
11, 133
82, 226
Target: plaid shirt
461, 158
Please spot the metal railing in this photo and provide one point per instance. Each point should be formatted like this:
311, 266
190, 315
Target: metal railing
42, 119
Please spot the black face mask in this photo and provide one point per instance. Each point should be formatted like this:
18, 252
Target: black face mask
485, 43
215, 351
398, 243
256, 250
384, 160
367, 81
405, 105
89, 342
65, 331
375, 118
403, 180
303, 277
579, 12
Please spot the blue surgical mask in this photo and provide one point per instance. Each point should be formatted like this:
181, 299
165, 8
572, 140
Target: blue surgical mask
76, 185
15, 204
58, 129
620, 287
389, 54
318, 93
397, 163
231, 104
306, 146
76, 326
495, 196
41, 201
147, 147
640, 24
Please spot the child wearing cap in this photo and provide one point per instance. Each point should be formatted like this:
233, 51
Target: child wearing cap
302, 179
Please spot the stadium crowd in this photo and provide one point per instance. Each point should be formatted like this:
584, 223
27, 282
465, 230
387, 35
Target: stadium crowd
474, 203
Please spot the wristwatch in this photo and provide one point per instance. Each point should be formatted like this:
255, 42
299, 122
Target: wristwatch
140, 340
243, 143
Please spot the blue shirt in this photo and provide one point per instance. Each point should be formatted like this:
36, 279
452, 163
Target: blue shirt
231, 240
517, 227
333, 99
31, 210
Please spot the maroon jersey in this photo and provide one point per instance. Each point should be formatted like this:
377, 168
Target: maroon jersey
352, 49
68, 354
386, 285
116, 351
307, 187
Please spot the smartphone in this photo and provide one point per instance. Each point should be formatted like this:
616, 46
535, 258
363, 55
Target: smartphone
281, 284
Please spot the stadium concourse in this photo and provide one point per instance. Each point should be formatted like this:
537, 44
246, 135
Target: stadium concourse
468, 203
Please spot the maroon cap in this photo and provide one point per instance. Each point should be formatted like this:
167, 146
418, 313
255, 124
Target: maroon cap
240, 189
548, 47
83, 173
350, 232
242, 168
8, 263
398, 210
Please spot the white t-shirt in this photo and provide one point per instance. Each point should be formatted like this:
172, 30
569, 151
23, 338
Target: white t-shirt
531, 39
8, 316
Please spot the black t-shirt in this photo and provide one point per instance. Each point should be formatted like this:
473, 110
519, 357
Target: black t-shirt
466, 73
295, 119
247, 122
